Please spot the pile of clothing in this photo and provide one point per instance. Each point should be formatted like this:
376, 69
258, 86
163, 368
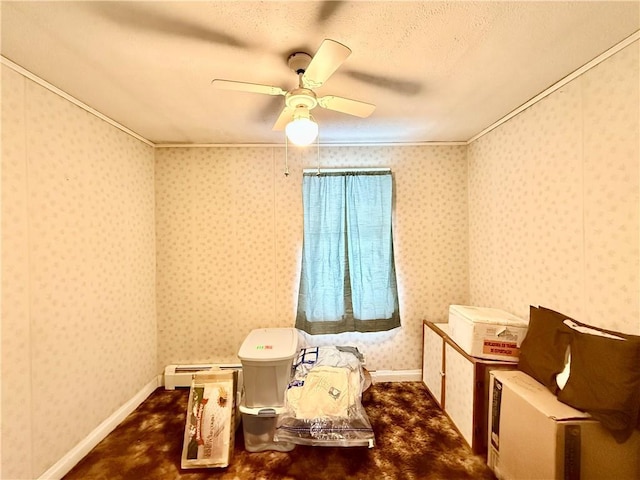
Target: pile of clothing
323, 400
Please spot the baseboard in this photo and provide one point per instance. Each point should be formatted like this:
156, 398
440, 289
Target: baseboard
378, 376
77, 453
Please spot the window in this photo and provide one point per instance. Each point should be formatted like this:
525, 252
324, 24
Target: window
348, 280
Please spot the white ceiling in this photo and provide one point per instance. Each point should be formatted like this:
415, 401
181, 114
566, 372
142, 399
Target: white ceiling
437, 71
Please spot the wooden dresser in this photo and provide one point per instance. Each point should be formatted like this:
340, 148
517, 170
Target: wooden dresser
459, 383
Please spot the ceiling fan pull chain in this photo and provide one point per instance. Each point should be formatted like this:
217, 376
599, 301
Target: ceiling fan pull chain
286, 156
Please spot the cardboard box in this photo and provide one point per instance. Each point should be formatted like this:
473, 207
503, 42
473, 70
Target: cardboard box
532, 435
488, 333
209, 434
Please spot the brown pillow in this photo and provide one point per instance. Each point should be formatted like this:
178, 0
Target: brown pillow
618, 334
542, 352
605, 380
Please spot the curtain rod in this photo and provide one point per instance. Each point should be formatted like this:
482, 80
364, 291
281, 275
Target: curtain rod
340, 170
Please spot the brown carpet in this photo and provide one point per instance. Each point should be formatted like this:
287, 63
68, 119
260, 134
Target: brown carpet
414, 440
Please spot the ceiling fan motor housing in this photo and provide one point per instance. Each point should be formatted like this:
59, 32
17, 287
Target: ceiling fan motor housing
299, 61
301, 97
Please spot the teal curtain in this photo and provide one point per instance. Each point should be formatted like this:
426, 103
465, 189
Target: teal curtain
324, 247
348, 280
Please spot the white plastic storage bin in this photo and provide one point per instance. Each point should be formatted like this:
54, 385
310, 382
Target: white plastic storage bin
267, 356
259, 426
488, 333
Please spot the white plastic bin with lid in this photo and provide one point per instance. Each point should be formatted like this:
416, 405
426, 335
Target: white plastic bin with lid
259, 426
267, 356
488, 333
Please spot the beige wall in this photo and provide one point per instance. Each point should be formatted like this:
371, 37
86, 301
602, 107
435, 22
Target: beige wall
554, 202
229, 240
544, 210
78, 274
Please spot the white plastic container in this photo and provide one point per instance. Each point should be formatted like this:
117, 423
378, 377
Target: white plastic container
259, 426
488, 333
267, 356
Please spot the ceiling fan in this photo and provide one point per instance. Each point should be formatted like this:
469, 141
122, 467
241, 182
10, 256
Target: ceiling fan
312, 73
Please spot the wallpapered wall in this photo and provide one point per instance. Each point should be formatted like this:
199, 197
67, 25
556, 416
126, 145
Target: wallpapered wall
554, 202
229, 240
78, 274
549, 203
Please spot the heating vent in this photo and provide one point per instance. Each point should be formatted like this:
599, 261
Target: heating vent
180, 375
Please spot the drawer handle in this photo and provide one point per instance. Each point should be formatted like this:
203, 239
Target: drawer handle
442, 374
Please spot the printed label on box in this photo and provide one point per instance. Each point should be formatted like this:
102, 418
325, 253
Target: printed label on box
495, 414
572, 446
497, 347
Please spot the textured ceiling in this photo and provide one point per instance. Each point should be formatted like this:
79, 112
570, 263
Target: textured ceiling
437, 71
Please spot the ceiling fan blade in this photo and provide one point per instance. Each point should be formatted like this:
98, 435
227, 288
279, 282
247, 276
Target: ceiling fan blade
346, 105
285, 117
146, 17
270, 109
328, 9
247, 87
404, 87
327, 59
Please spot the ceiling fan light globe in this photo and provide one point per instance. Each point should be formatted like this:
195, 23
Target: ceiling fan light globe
302, 131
